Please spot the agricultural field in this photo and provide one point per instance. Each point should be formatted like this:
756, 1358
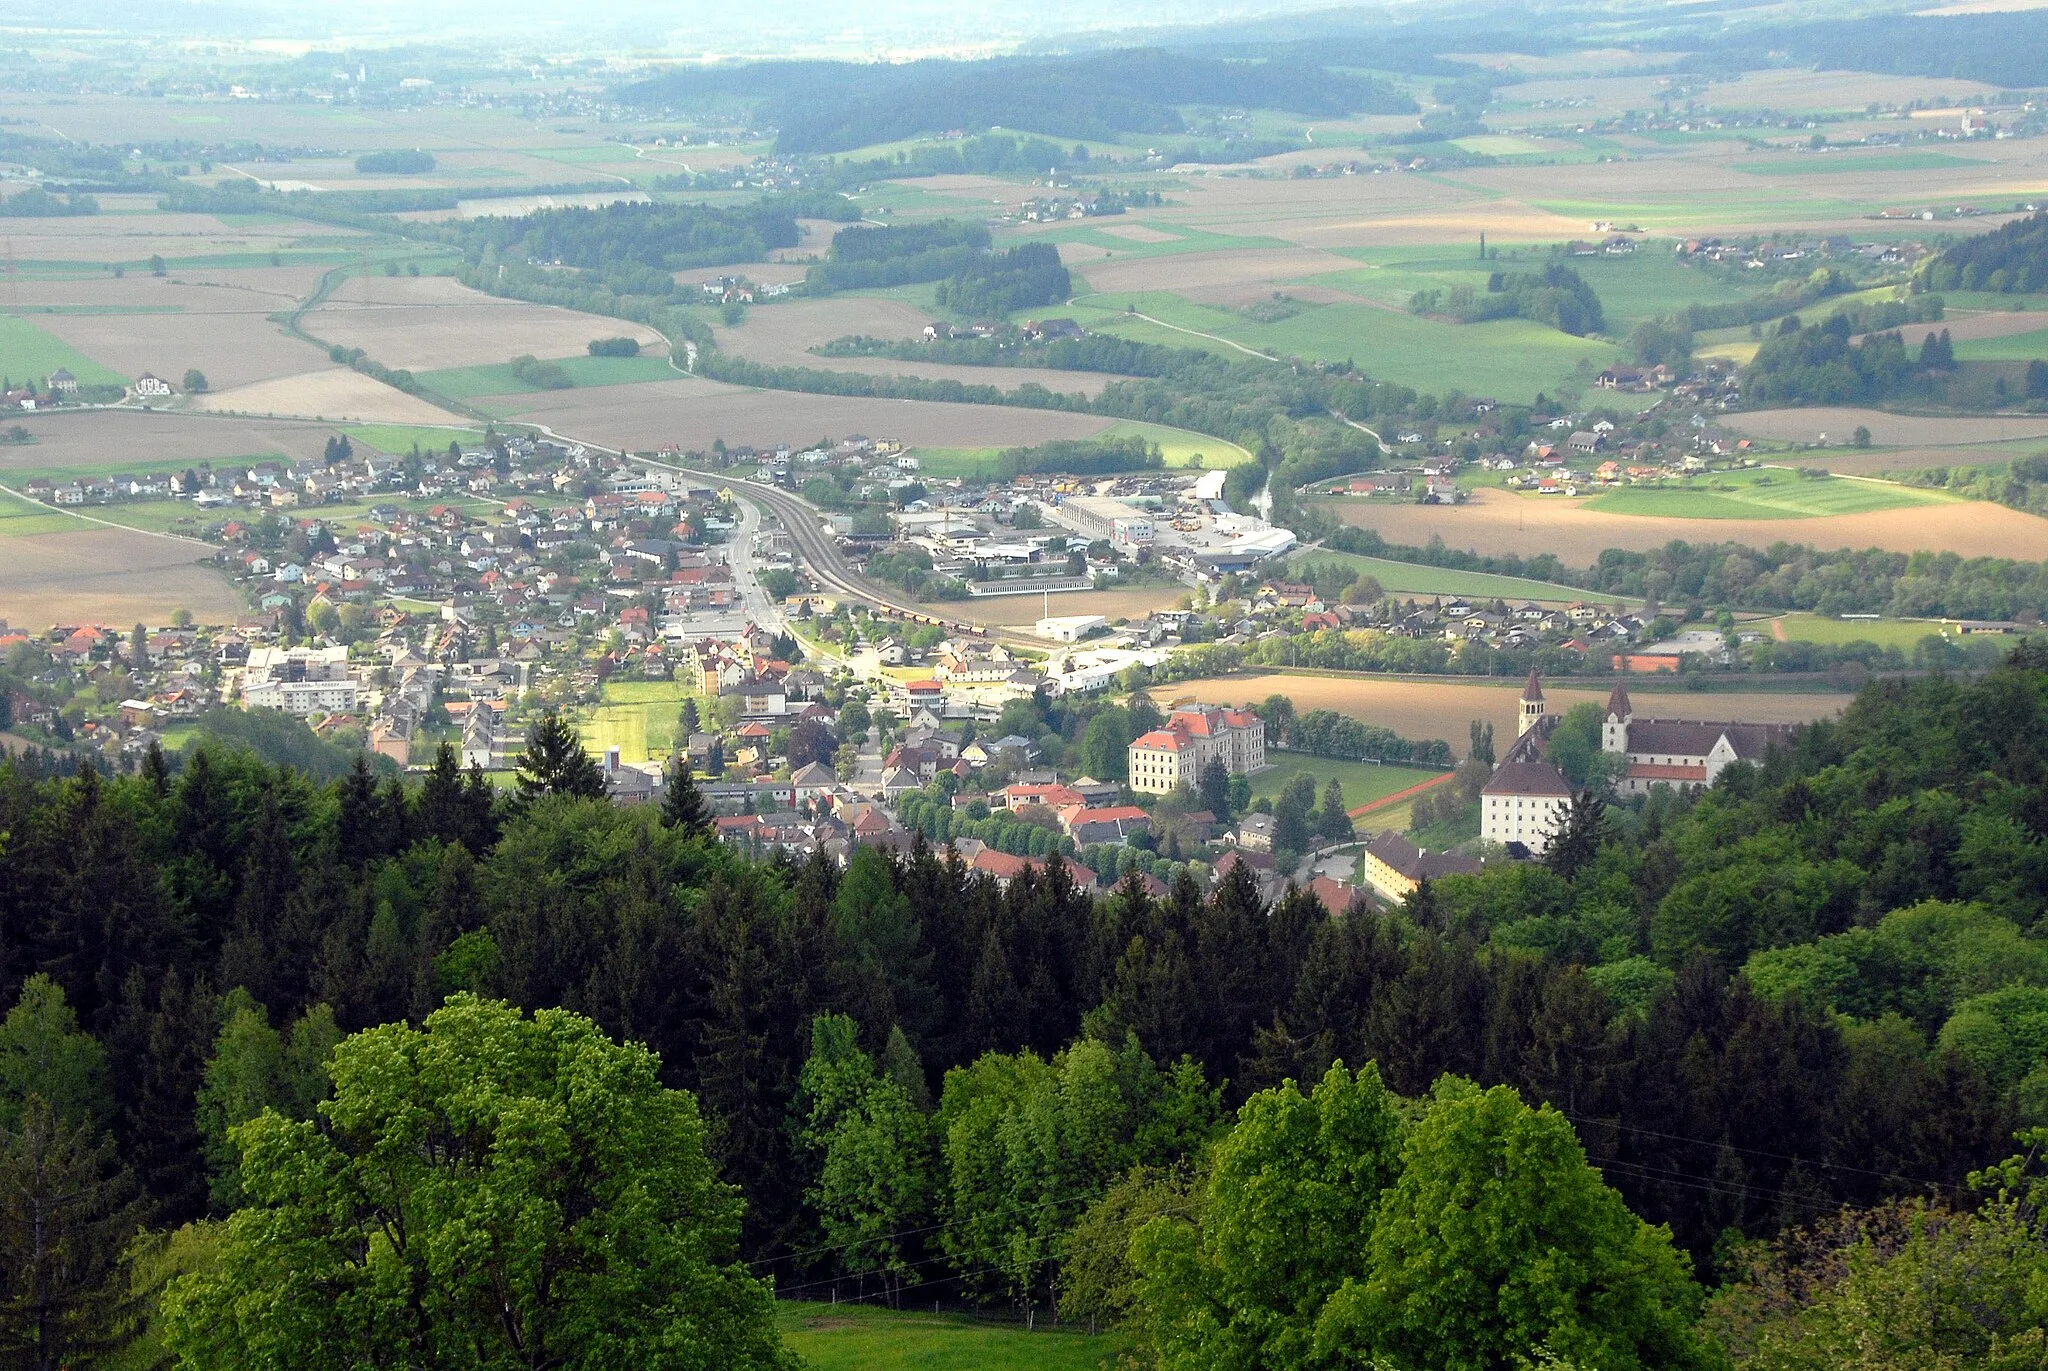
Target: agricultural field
1509, 358
1769, 494
1496, 521
1441, 708
102, 441
862, 1337
399, 439
783, 334
1409, 578
428, 323
29, 351
86, 573
692, 412
334, 393
1026, 610
469, 383
1822, 422
1178, 447
2010, 347
1362, 781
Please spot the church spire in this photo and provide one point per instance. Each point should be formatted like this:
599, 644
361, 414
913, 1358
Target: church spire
1532, 704
1618, 706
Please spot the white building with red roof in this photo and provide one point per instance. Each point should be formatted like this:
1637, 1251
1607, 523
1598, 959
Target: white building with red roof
1176, 752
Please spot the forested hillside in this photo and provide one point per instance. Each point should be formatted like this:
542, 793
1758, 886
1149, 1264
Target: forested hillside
2011, 259
1821, 983
836, 106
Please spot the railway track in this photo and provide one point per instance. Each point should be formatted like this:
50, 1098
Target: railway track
830, 568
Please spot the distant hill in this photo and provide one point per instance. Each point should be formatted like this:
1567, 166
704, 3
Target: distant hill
820, 107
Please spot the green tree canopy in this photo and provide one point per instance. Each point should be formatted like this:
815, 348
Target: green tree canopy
488, 1191
1499, 1244
44, 1053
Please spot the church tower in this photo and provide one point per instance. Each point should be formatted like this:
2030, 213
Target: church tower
1614, 729
1532, 704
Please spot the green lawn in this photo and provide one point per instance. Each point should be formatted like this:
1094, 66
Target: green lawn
636, 717
1511, 359
399, 439
122, 461
1763, 495
466, 383
27, 351
850, 1337
1408, 578
2013, 347
1362, 781
1819, 628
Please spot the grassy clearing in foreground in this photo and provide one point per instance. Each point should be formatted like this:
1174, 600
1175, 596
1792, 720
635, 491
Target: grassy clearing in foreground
1362, 781
1409, 578
399, 439
1819, 628
31, 353
849, 1337
466, 383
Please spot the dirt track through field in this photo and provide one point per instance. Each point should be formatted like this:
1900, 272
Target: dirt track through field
1496, 522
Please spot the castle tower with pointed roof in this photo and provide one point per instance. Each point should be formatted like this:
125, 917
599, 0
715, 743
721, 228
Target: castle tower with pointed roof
1532, 703
1614, 728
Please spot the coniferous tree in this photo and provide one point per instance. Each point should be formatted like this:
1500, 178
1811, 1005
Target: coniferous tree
68, 1211
682, 806
554, 762
1215, 789
1577, 841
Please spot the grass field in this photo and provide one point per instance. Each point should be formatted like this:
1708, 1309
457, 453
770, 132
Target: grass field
636, 717
399, 439
2013, 347
28, 352
19, 518
1362, 781
857, 1337
465, 383
1810, 164
1763, 495
1178, 446
1407, 578
1509, 358
1819, 628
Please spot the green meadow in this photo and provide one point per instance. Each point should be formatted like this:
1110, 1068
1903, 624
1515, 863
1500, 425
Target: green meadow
399, 439
1762, 495
2013, 347
19, 518
1831, 163
1509, 358
467, 383
636, 717
1362, 781
28, 352
1819, 628
1177, 446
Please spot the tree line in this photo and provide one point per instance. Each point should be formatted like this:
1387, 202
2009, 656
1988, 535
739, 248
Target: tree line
1817, 984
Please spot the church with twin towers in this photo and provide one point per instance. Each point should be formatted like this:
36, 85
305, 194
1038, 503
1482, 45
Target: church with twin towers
1523, 803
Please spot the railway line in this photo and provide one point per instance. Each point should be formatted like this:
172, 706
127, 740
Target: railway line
833, 572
